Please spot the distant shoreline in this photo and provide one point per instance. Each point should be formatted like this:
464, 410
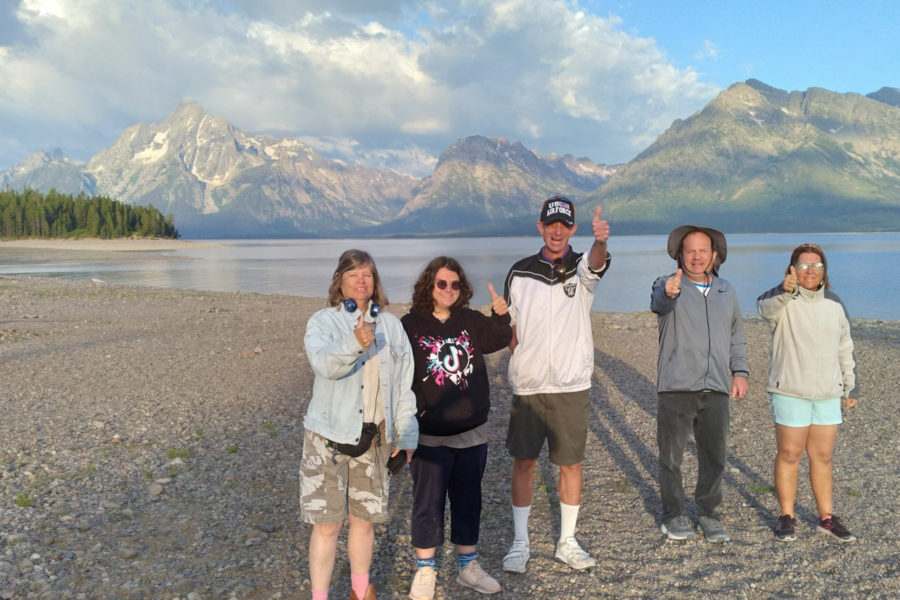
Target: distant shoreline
100, 245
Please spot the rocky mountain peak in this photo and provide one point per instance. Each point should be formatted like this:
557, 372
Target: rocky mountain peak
887, 95
186, 116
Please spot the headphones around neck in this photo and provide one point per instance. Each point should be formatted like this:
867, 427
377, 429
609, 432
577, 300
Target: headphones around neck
350, 306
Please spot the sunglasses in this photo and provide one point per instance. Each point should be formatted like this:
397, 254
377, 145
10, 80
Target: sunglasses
803, 267
442, 285
559, 269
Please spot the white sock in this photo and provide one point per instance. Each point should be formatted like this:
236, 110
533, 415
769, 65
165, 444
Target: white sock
568, 517
520, 522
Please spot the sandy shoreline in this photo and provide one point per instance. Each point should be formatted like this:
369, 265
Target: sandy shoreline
151, 444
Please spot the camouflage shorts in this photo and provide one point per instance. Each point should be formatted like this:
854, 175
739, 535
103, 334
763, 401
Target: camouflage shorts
332, 483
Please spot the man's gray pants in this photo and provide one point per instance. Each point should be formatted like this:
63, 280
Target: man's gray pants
706, 414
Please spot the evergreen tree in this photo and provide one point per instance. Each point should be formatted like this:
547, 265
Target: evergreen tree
31, 214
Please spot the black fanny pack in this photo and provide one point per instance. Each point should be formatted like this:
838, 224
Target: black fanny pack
366, 437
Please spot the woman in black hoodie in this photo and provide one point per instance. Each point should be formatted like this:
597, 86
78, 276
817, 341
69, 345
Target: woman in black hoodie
449, 341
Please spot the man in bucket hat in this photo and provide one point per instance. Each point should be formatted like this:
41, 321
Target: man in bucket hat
702, 361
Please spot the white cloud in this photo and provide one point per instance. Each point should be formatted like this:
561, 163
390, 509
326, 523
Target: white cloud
397, 80
709, 51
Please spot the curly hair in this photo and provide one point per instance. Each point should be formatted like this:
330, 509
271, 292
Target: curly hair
423, 291
350, 260
795, 255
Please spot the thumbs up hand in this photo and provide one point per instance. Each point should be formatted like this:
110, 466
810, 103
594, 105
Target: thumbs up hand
673, 284
790, 280
364, 332
498, 303
600, 226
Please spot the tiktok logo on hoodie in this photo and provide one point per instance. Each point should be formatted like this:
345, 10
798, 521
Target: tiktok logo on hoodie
448, 359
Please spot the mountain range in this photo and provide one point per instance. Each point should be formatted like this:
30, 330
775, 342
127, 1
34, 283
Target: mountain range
760, 159
755, 159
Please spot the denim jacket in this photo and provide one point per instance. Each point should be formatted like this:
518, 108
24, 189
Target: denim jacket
335, 410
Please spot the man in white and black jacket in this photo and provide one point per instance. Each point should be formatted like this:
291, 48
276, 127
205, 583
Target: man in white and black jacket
550, 296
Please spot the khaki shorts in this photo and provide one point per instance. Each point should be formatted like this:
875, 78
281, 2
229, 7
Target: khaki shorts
561, 419
331, 483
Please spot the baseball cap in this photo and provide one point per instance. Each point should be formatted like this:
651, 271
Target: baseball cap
558, 208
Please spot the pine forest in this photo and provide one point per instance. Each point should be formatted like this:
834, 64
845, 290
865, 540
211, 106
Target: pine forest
31, 214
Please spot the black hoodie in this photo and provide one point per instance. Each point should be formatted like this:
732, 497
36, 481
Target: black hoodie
451, 381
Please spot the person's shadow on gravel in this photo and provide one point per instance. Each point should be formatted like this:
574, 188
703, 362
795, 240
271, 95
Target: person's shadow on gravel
642, 392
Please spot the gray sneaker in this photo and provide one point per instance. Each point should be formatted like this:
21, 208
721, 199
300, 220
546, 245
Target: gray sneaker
679, 528
712, 530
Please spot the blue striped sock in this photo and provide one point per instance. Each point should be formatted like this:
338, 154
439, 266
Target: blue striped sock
465, 559
425, 562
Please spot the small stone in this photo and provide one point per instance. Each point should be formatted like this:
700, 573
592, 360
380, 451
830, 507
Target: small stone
155, 489
268, 526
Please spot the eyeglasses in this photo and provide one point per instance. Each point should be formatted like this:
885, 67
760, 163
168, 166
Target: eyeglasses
442, 285
803, 267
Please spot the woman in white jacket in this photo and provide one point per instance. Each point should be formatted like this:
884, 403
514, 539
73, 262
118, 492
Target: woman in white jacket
812, 369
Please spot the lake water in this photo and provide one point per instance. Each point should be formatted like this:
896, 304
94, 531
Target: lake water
863, 268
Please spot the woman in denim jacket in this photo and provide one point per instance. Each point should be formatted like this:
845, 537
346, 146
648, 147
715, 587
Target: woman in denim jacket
362, 410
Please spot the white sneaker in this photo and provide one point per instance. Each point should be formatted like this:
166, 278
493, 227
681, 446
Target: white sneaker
517, 557
423, 584
473, 576
572, 554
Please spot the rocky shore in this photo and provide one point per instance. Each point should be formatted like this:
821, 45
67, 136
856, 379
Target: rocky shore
150, 446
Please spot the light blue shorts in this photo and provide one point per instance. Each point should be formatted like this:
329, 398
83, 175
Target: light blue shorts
800, 412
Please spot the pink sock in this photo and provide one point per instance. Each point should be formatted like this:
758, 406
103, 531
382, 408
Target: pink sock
320, 595
359, 583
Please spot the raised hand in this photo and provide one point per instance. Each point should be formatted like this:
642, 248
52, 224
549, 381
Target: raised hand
497, 301
364, 332
600, 226
790, 280
673, 284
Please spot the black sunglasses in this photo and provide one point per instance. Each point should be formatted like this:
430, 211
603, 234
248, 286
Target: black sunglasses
559, 269
442, 285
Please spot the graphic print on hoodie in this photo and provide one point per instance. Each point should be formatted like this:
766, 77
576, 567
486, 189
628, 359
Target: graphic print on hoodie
451, 382
448, 359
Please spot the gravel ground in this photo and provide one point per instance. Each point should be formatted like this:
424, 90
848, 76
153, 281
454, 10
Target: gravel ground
150, 446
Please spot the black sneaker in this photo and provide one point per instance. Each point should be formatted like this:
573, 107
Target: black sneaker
784, 529
832, 526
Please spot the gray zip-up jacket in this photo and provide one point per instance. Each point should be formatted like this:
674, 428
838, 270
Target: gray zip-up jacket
701, 338
812, 351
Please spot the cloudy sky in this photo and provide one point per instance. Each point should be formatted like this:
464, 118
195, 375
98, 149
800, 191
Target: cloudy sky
394, 82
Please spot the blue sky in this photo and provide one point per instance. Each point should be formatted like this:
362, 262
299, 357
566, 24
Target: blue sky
393, 83
793, 45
